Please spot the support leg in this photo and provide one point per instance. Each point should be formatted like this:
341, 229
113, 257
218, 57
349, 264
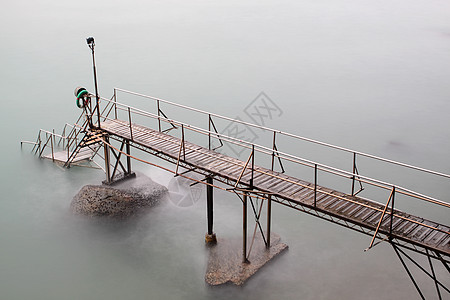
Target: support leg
244, 228
128, 157
408, 272
107, 169
210, 237
434, 276
269, 219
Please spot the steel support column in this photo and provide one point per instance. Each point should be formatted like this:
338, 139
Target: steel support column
210, 237
269, 219
107, 169
127, 146
244, 228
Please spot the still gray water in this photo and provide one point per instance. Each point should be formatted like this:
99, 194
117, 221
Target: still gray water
372, 76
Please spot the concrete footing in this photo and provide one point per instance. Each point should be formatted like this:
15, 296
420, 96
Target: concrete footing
210, 239
225, 264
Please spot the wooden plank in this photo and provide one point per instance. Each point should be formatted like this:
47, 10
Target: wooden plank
139, 135
218, 165
263, 180
334, 204
423, 230
323, 201
296, 186
303, 196
161, 145
148, 138
195, 156
409, 228
203, 162
363, 213
395, 223
277, 183
266, 183
345, 210
256, 175
280, 186
445, 242
301, 192
172, 149
429, 236
343, 205
436, 238
320, 197
405, 227
374, 218
354, 211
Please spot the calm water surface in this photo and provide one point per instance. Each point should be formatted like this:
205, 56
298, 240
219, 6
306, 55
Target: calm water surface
364, 75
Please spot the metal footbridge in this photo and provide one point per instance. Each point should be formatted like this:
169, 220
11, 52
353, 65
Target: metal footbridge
110, 129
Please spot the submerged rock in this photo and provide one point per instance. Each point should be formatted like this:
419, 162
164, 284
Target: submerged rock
121, 200
225, 265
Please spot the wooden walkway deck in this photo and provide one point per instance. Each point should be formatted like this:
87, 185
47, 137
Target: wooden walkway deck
62, 156
364, 213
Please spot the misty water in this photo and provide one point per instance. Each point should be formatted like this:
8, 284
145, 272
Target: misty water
371, 76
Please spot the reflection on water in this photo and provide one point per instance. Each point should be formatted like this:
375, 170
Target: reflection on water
370, 76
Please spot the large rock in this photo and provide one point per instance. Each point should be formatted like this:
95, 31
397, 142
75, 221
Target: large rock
121, 200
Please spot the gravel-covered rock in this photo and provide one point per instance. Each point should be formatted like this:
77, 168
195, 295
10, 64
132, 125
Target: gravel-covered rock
121, 200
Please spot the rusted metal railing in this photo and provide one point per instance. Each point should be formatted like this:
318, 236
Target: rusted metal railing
274, 153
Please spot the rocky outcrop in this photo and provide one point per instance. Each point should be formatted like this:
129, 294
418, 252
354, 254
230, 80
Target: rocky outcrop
119, 201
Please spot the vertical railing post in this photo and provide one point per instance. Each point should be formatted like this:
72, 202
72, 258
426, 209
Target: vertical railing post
209, 131
129, 120
315, 185
106, 153
51, 143
273, 149
115, 104
434, 275
354, 171
54, 137
63, 137
392, 213
68, 150
182, 140
159, 115
253, 165
39, 142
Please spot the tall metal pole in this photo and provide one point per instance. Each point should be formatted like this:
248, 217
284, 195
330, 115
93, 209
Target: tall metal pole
91, 43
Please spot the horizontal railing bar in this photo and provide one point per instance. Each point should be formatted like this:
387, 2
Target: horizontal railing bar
291, 135
28, 142
286, 156
52, 133
323, 192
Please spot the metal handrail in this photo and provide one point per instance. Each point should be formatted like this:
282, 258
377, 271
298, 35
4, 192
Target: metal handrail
286, 156
50, 137
288, 134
